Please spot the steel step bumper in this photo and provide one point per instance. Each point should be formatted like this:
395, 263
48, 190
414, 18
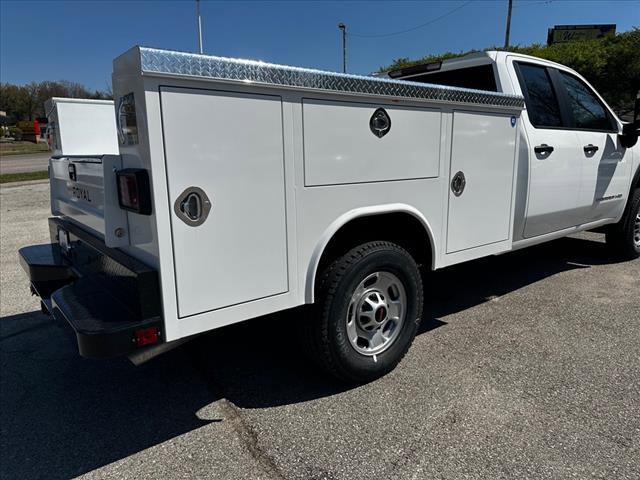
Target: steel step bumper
110, 300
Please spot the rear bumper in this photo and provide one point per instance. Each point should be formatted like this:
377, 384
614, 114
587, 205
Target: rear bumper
110, 300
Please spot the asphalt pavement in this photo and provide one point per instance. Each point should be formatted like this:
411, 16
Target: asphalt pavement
32, 162
527, 366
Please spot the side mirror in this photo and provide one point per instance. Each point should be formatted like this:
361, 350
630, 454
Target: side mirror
631, 131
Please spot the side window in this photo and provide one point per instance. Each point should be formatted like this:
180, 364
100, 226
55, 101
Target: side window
542, 104
586, 109
480, 78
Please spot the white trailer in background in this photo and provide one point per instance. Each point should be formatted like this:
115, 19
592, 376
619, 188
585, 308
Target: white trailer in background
242, 188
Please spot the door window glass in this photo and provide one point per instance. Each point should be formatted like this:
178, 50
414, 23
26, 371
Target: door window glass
586, 109
542, 105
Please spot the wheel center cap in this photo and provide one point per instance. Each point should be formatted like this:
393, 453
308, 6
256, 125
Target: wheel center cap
381, 314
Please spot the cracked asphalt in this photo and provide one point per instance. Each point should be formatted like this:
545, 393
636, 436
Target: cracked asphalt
527, 366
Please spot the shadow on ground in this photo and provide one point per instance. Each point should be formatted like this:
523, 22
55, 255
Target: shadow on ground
463, 286
63, 415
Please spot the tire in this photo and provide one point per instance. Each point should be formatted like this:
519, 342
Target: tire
372, 293
624, 237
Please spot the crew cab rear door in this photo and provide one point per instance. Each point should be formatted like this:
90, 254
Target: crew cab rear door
606, 165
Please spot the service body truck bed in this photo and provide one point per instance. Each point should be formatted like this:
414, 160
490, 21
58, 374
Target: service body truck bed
261, 187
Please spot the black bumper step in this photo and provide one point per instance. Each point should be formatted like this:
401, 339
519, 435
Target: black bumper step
104, 326
47, 269
111, 300
45, 263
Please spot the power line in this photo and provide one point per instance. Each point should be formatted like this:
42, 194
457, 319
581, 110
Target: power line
390, 34
529, 4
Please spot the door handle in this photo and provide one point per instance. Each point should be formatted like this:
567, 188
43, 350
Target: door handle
590, 149
458, 183
544, 148
192, 206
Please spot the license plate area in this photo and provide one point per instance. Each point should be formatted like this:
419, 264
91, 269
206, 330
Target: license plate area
63, 241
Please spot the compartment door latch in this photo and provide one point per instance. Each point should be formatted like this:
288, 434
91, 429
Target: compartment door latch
192, 206
458, 184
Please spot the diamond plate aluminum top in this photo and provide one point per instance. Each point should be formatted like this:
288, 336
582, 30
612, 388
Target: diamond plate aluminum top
166, 62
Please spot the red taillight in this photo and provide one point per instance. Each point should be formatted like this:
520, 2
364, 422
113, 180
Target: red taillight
129, 192
133, 190
146, 336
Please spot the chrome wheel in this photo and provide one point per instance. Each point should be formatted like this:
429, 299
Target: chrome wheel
376, 313
636, 231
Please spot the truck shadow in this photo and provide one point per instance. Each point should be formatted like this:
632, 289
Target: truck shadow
254, 365
463, 286
62, 415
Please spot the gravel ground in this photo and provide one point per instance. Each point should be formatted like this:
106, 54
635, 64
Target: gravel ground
527, 366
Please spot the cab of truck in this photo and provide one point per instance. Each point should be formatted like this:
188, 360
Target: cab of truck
578, 162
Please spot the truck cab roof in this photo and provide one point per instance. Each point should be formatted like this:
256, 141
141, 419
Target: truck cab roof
477, 70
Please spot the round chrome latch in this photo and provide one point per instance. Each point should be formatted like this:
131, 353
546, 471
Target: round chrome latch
380, 123
458, 183
192, 206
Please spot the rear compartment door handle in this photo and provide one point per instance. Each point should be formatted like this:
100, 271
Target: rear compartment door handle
192, 206
458, 183
544, 148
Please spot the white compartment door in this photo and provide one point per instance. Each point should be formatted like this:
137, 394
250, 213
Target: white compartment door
482, 165
230, 146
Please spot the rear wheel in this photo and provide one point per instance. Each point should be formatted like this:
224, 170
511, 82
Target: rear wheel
624, 237
368, 309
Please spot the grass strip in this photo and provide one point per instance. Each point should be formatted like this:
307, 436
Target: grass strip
21, 148
23, 177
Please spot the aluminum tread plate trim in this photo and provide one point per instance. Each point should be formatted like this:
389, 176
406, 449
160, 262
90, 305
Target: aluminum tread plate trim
166, 62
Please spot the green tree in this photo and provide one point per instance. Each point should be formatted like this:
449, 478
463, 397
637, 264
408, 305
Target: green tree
26, 102
12, 101
611, 64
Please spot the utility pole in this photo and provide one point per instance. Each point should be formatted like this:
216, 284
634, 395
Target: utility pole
506, 35
343, 27
199, 27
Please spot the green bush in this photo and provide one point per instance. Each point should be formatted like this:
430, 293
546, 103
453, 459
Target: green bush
611, 64
16, 133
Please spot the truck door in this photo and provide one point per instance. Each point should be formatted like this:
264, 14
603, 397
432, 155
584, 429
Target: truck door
606, 165
555, 162
225, 174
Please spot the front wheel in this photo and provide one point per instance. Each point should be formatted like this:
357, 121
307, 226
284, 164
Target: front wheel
624, 237
368, 309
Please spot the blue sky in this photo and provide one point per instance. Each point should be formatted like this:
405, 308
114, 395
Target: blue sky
77, 40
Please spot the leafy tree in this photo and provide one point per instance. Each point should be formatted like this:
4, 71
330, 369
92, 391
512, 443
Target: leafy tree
611, 64
26, 102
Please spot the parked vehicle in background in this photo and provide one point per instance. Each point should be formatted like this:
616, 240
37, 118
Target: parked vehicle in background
243, 188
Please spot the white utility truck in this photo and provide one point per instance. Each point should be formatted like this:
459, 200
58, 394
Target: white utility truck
242, 188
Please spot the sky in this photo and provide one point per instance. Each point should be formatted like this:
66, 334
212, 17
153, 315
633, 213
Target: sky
77, 40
